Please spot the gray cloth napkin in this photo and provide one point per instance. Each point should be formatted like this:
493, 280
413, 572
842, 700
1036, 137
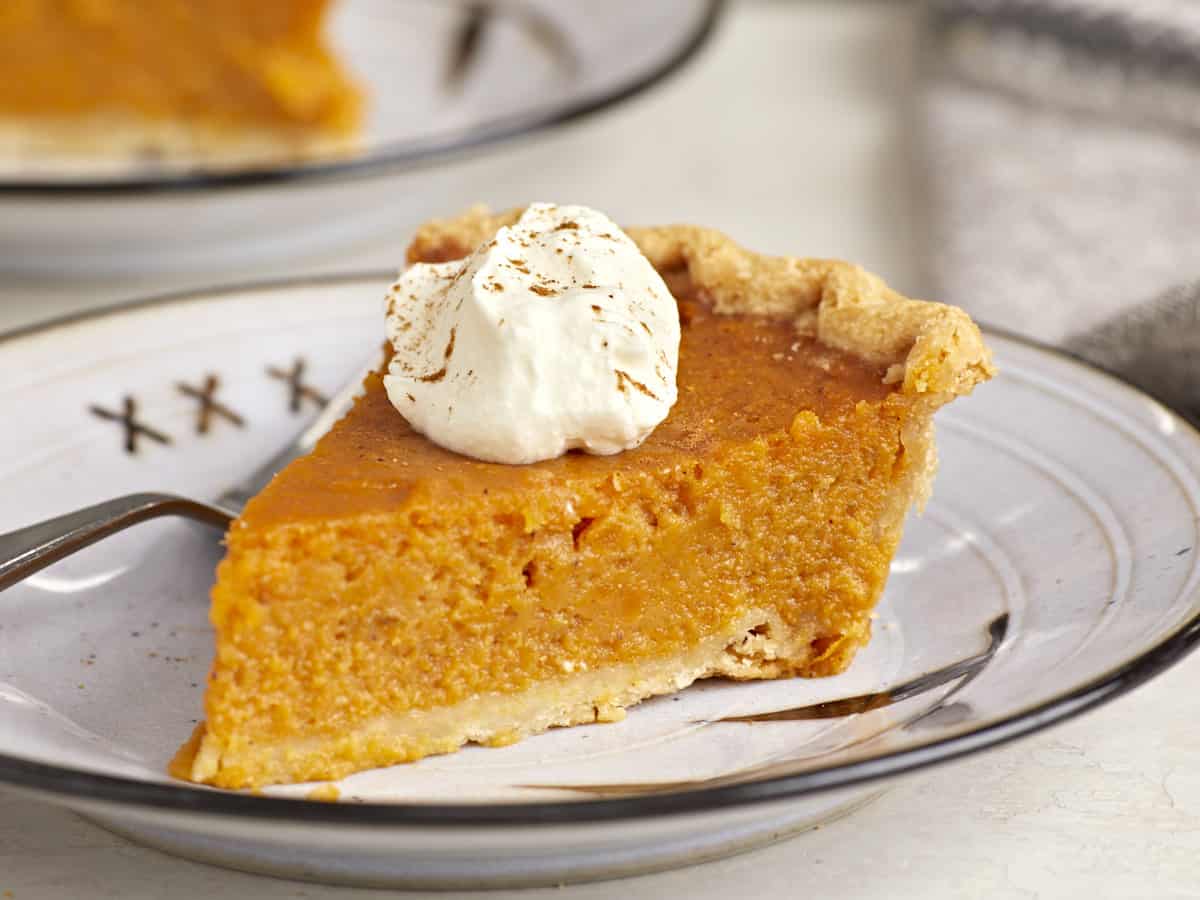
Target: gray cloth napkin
1061, 146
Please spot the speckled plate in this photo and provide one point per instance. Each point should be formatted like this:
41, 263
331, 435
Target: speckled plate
1055, 568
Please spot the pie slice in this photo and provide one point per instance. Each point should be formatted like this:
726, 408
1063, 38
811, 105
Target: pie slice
384, 599
170, 78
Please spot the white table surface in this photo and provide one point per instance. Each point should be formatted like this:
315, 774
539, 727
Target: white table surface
791, 133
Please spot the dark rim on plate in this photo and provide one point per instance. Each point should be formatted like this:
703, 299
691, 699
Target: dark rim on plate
65, 785
393, 157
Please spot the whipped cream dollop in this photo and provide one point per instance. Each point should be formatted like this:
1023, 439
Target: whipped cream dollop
555, 334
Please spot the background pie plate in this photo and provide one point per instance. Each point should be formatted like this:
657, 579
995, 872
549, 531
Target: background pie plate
535, 64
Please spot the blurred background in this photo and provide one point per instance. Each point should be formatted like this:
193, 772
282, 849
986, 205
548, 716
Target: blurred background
1034, 161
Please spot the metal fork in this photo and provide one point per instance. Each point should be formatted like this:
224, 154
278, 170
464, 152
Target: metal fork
30, 549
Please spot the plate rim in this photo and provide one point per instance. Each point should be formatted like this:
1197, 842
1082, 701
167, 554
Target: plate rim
63, 784
396, 156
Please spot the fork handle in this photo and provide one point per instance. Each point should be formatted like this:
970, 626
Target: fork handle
31, 549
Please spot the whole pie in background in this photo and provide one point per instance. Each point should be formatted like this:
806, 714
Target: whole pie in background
174, 78
384, 599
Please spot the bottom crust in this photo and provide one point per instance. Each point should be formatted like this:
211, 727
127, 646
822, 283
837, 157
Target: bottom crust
102, 144
756, 647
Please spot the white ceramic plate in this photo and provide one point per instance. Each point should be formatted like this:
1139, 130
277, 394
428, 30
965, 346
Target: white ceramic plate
1055, 568
439, 82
